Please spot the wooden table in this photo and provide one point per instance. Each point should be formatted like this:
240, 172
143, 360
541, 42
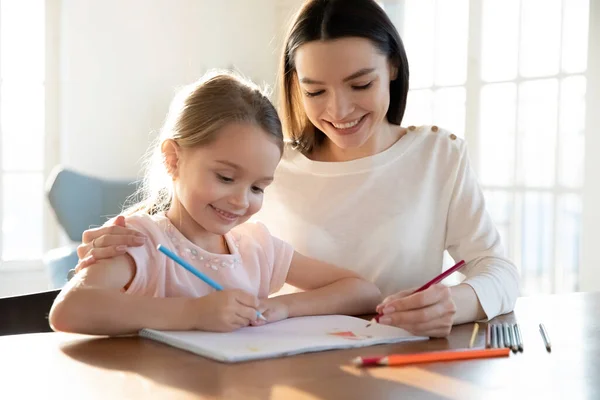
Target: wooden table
63, 366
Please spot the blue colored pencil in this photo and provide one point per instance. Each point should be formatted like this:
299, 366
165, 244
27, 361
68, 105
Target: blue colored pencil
194, 271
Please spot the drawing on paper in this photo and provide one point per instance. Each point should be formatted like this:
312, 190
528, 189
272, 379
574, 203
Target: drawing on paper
349, 335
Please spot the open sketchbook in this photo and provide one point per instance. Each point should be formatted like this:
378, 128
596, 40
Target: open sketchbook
283, 338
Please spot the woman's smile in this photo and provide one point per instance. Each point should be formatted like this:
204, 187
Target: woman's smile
348, 128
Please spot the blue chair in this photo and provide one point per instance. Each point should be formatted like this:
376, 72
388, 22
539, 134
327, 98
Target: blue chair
79, 202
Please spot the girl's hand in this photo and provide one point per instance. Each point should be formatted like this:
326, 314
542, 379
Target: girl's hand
107, 242
222, 311
427, 313
273, 309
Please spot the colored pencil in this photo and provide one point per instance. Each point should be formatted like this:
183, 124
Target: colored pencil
441, 276
507, 335
545, 337
433, 356
518, 337
435, 280
194, 271
515, 342
500, 333
488, 335
512, 341
474, 334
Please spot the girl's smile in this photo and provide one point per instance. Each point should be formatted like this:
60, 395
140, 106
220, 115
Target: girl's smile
224, 215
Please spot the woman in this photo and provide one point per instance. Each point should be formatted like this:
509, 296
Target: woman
358, 190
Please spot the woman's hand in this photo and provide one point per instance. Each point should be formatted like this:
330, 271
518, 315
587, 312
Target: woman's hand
273, 309
222, 311
427, 313
107, 242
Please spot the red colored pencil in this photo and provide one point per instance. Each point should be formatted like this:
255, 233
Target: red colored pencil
441, 276
431, 356
435, 280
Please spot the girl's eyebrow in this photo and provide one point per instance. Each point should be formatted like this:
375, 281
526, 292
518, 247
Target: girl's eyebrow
229, 163
357, 74
240, 168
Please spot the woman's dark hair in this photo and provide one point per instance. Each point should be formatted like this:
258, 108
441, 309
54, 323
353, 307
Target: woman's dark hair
334, 19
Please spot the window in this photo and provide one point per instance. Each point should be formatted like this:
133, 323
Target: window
22, 126
510, 77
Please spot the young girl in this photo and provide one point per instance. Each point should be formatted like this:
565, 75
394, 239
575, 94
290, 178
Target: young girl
218, 150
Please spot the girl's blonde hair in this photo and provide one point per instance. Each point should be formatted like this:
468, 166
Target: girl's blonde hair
196, 115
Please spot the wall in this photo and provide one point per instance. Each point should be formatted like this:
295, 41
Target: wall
120, 62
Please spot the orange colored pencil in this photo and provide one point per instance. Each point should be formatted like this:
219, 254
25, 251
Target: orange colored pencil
432, 356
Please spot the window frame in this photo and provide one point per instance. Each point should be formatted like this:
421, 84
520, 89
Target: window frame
589, 194
50, 229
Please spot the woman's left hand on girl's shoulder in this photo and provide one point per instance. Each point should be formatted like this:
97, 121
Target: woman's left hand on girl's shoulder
426, 313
